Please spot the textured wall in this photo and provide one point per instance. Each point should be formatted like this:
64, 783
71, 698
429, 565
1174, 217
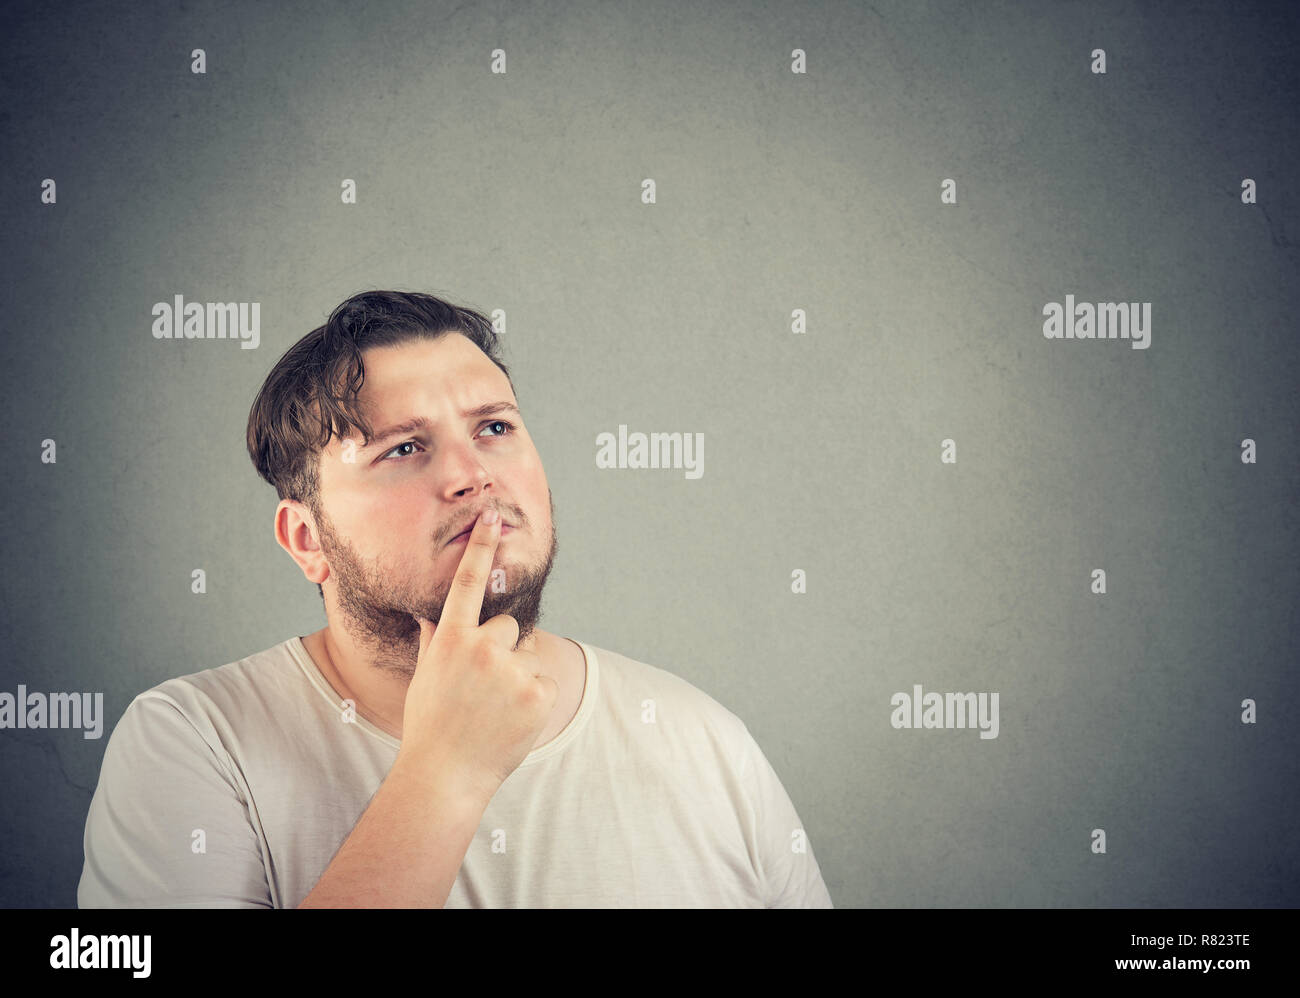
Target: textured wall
774, 191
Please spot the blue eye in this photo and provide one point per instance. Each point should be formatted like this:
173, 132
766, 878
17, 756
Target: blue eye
509, 429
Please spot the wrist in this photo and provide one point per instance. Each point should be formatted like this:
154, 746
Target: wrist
451, 784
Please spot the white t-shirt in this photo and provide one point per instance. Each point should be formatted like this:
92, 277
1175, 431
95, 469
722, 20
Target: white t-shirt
235, 787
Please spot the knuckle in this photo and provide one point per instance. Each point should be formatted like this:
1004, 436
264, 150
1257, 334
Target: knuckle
467, 581
535, 693
483, 655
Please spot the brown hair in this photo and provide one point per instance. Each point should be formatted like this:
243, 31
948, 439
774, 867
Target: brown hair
311, 393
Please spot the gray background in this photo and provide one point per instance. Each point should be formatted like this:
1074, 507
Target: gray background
776, 191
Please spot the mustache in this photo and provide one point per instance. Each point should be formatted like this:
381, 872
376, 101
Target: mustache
506, 521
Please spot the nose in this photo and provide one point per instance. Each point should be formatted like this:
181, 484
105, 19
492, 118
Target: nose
464, 474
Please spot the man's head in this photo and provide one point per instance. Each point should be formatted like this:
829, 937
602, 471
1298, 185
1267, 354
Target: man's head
385, 432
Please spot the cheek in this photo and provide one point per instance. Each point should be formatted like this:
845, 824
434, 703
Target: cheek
398, 509
539, 505
397, 529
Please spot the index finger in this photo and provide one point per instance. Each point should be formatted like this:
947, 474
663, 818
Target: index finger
465, 598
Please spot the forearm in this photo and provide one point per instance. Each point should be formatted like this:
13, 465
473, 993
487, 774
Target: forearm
408, 845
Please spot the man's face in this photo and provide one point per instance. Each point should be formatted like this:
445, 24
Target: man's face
389, 511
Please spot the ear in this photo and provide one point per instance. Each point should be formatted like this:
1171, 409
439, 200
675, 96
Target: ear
295, 531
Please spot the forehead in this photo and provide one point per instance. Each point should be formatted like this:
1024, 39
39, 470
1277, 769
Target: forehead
418, 377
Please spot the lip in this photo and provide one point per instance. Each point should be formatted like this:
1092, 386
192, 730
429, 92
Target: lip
463, 538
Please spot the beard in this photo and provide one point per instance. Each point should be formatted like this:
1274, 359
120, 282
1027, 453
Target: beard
379, 613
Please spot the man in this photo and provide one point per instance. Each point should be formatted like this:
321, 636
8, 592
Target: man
430, 746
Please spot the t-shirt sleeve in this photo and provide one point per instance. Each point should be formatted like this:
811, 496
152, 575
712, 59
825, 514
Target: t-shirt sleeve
790, 874
161, 785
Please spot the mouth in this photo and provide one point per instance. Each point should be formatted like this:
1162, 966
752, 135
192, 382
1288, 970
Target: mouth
463, 537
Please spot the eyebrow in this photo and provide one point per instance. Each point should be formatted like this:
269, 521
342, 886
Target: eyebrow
420, 423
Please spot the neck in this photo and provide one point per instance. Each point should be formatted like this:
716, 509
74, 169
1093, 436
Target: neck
376, 678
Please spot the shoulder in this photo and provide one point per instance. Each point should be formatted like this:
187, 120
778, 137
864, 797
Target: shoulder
653, 694
253, 689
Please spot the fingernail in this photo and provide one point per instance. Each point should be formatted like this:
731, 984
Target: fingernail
490, 516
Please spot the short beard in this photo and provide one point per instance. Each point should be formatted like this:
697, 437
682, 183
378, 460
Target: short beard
380, 618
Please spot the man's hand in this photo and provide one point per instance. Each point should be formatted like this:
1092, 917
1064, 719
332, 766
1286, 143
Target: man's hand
475, 706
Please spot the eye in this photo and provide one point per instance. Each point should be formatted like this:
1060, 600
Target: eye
509, 429
409, 443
